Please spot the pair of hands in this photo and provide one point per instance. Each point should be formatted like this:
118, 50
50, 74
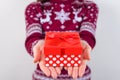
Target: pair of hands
55, 71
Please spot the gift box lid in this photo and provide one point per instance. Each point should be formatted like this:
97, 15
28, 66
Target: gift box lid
62, 43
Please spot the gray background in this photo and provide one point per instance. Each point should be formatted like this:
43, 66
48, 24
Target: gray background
16, 64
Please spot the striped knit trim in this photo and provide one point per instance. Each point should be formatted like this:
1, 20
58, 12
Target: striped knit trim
39, 75
87, 26
33, 28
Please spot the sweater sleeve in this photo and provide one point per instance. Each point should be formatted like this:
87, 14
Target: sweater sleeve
34, 31
88, 25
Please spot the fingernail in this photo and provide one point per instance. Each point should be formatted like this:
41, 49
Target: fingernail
34, 61
81, 75
74, 77
55, 77
47, 75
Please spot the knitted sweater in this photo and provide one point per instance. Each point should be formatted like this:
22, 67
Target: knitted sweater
60, 15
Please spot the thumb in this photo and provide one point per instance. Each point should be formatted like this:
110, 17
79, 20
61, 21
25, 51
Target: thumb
37, 54
37, 50
86, 53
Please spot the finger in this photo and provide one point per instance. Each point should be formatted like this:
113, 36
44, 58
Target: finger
58, 70
44, 68
37, 54
70, 71
82, 68
75, 72
53, 72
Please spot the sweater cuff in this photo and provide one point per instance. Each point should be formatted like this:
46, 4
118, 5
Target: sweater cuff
89, 38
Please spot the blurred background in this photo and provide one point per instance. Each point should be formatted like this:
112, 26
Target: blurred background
16, 64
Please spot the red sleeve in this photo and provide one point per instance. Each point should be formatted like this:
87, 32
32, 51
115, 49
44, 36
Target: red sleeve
88, 25
34, 31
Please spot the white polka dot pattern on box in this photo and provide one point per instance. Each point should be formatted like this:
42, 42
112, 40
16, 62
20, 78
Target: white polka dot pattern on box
63, 60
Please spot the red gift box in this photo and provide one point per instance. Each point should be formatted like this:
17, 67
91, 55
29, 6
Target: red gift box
62, 49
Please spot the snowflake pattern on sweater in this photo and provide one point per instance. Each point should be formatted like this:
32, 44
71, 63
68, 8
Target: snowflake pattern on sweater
58, 15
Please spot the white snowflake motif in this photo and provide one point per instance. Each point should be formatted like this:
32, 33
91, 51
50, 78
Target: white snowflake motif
62, 16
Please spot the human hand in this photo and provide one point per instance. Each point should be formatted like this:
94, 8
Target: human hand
49, 71
40, 57
79, 71
37, 50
